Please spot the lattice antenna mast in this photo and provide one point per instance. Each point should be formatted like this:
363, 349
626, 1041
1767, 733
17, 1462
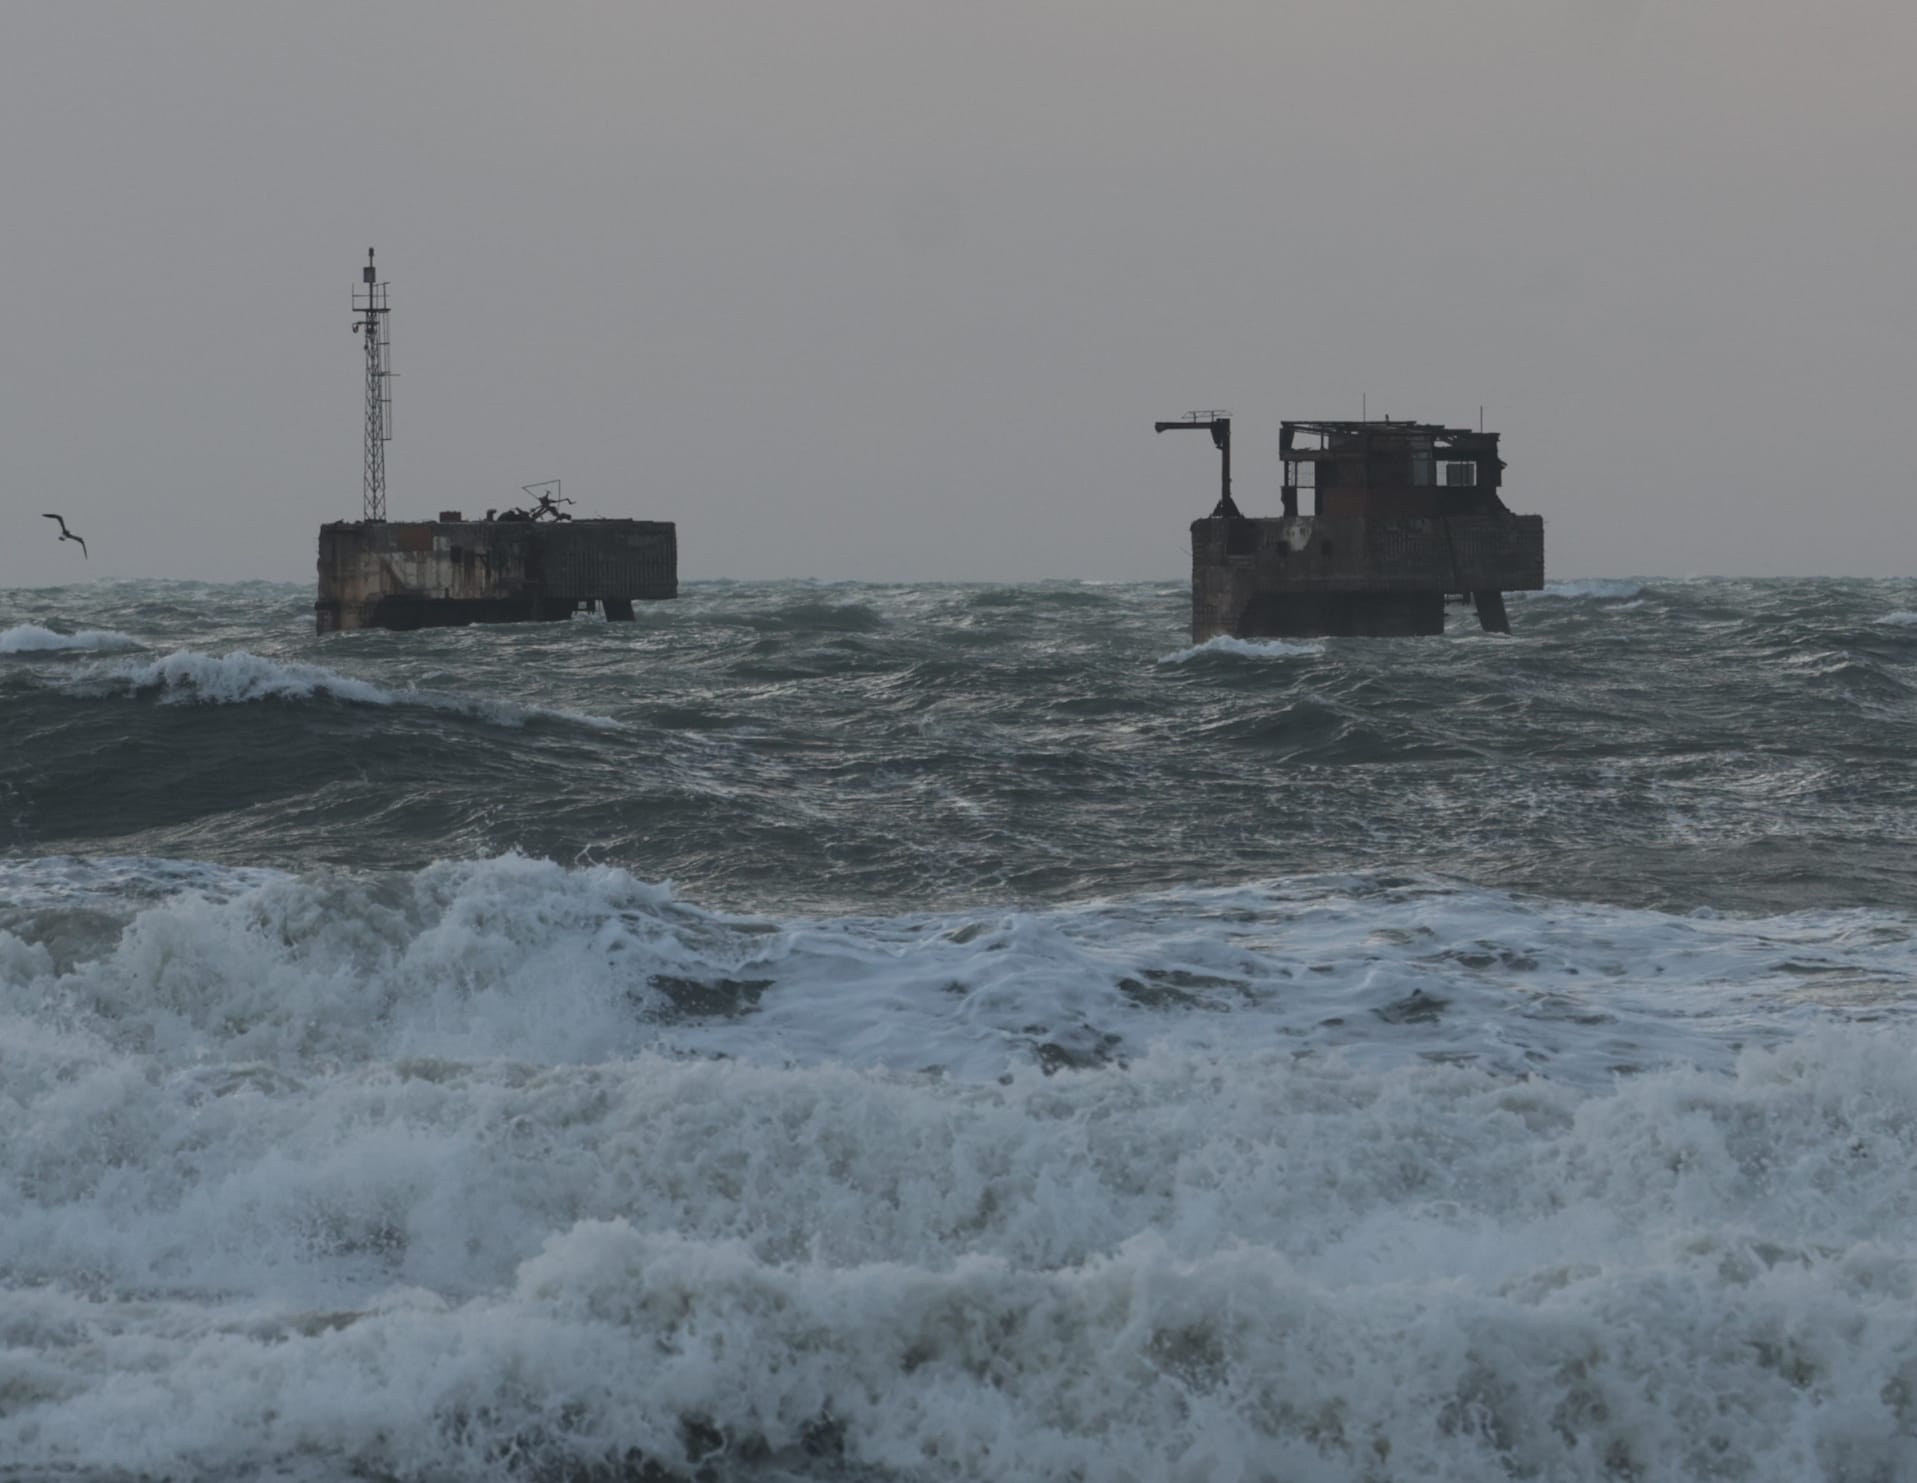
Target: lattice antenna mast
369, 303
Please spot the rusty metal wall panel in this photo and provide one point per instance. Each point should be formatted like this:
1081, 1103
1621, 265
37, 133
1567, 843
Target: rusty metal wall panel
409, 536
1329, 553
1507, 555
624, 559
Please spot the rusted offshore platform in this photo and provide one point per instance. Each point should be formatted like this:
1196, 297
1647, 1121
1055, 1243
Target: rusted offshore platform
442, 573
1405, 514
528, 565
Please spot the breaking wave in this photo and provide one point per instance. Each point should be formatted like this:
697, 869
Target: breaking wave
499, 1169
1604, 588
523, 958
1459, 1061
241, 677
31, 638
1224, 643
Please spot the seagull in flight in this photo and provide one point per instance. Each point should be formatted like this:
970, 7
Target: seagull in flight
67, 535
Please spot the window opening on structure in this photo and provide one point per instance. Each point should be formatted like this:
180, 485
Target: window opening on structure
1460, 473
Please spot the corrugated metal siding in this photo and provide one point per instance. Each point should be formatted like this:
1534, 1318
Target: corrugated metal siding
628, 560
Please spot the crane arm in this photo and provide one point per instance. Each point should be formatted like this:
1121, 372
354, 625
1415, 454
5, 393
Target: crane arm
1218, 424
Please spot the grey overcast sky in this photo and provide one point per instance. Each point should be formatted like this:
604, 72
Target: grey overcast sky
886, 289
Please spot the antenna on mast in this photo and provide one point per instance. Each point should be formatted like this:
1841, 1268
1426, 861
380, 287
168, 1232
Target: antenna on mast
369, 303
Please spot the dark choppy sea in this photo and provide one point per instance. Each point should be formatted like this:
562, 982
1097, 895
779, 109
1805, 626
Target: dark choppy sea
959, 1032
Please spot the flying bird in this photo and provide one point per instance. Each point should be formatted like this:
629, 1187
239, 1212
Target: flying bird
67, 535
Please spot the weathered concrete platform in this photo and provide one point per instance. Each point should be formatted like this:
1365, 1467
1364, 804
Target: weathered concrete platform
445, 573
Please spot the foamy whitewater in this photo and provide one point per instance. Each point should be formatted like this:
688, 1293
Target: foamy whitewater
959, 1032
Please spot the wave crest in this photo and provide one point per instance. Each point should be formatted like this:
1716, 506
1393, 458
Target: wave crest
819, 617
1225, 644
31, 638
1602, 588
524, 958
242, 677
1030, 1279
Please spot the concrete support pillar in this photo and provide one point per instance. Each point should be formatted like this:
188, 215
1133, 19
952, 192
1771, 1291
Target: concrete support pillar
1491, 615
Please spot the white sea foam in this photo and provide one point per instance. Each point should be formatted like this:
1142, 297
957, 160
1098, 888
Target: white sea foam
31, 638
1900, 620
502, 1168
1605, 588
525, 959
241, 677
1224, 643
1195, 1267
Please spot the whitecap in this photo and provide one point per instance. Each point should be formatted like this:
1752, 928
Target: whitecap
1192, 1269
1899, 620
241, 677
410, 1173
1602, 588
526, 959
1225, 643
31, 638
